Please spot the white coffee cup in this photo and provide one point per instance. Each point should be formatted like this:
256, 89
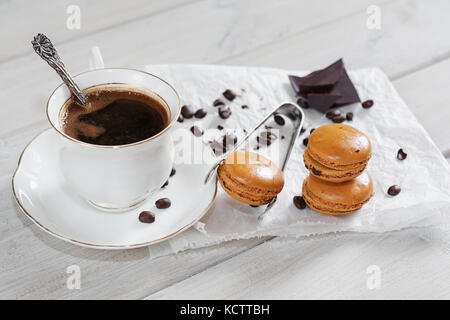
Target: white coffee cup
116, 178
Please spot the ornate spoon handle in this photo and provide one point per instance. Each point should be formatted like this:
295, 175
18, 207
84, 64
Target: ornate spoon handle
45, 49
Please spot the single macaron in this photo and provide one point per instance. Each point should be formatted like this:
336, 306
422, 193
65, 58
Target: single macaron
340, 147
337, 198
329, 174
250, 178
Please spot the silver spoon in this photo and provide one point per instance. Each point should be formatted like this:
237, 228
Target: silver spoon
290, 110
45, 49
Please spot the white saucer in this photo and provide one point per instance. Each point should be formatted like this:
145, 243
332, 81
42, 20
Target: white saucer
45, 197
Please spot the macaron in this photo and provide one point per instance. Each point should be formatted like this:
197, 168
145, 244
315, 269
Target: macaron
337, 198
250, 178
329, 174
337, 152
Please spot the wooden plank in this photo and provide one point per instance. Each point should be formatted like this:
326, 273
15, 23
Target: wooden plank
51, 16
33, 266
187, 36
410, 37
426, 93
325, 267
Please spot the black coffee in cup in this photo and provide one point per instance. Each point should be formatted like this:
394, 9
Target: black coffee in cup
115, 116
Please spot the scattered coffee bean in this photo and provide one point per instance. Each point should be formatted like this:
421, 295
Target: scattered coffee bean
401, 155
229, 94
312, 130
349, 116
299, 202
200, 113
163, 203
180, 118
219, 127
302, 130
367, 104
218, 148
229, 139
332, 113
187, 111
338, 119
218, 102
279, 120
146, 217
315, 171
302, 103
172, 173
394, 190
266, 138
282, 137
305, 142
224, 112
196, 131
244, 106
165, 184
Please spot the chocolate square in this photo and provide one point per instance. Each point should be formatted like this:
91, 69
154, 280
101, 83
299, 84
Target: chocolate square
326, 88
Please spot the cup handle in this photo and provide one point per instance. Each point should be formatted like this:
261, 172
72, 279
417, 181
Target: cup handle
96, 59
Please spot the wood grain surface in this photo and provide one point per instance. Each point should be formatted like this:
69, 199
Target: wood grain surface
412, 47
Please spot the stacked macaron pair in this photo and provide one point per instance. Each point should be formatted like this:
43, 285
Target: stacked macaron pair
336, 157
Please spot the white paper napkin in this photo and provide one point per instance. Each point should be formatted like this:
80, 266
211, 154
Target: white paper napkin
424, 176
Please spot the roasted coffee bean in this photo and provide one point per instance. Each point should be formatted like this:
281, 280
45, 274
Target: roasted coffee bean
315, 171
302, 130
266, 138
163, 203
224, 112
302, 103
218, 102
196, 131
349, 116
312, 130
401, 155
332, 113
172, 173
218, 147
229, 139
282, 137
165, 184
219, 127
299, 202
229, 94
279, 120
180, 118
367, 104
394, 190
338, 119
200, 113
305, 142
244, 106
187, 112
147, 217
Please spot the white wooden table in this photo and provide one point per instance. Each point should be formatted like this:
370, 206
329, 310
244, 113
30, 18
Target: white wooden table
412, 47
